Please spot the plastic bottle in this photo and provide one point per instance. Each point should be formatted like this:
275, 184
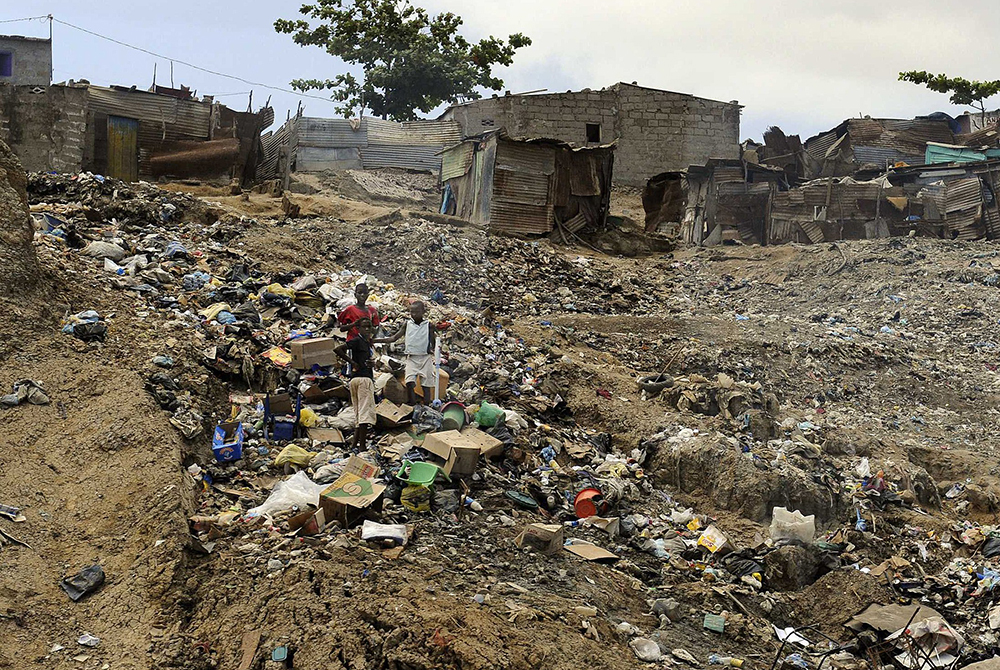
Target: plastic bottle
473, 505
716, 659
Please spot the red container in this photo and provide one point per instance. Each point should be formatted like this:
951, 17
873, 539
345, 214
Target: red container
589, 502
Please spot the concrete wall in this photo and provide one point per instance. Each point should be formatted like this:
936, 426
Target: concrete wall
32, 64
46, 130
657, 131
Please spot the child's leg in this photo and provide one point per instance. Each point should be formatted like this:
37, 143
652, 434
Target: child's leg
428, 394
411, 395
361, 437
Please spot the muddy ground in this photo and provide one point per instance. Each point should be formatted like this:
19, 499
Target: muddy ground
888, 346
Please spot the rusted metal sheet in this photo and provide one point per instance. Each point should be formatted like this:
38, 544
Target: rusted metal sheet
123, 148
457, 160
402, 156
520, 219
414, 133
963, 194
161, 117
522, 187
522, 157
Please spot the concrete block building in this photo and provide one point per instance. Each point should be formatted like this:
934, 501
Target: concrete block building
25, 61
655, 131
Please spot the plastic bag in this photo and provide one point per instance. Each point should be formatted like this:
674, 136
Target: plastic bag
296, 491
295, 455
308, 417
488, 415
379, 532
788, 526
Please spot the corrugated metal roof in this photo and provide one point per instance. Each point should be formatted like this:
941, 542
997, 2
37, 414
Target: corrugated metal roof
520, 219
456, 161
526, 188
332, 133
819, 145
401, 156
161, 117
522, 157
880, 156
941, 153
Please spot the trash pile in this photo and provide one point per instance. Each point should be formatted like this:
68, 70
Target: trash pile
707, 525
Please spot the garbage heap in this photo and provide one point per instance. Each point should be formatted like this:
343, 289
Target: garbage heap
498, 453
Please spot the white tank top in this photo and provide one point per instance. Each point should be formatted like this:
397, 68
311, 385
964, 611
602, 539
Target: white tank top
418, 337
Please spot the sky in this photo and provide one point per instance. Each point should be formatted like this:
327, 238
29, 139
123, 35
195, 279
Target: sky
804, 66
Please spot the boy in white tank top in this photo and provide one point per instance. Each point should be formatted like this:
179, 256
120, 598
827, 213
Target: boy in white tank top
419, 349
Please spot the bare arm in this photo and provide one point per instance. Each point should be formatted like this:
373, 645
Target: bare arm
392, 338
341, 352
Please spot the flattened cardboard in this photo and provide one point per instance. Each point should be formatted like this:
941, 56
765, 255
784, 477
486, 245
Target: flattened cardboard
390, 415
347, 499
332, 435
546, 538
394, 447
592, 552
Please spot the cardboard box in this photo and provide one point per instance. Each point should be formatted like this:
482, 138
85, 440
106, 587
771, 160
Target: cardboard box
489, 446
349, 498
459, 452
443, 379
326, 389
390, 415
227, 442
361, 468
309, 351
543, 537
391, 388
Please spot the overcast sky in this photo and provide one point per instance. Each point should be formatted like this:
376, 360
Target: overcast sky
805, 66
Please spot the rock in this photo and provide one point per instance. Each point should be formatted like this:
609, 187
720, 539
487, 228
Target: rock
645, 649
791, 568
19, 268
669, 607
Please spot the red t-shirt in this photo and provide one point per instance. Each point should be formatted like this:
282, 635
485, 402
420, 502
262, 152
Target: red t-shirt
353, 313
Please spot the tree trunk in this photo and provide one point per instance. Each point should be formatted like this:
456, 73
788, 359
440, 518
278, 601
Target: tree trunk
19, 270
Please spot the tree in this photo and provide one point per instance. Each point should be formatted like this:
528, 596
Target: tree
963, 91
410, 59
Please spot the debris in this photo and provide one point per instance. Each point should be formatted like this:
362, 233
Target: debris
83, 583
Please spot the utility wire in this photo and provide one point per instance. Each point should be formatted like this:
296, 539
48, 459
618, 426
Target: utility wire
191, 65
28, 18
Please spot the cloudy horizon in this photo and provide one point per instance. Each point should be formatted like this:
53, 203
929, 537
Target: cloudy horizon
802, 67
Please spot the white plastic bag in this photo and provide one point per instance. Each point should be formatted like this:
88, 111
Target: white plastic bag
787, 526
396, 532
296, 491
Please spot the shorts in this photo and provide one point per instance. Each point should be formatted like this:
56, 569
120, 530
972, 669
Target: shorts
363, 400
421, 365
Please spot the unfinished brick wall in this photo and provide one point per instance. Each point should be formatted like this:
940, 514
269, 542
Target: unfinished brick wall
47, 129
656, 130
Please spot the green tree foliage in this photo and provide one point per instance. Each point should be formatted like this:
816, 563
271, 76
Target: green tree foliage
963, 91
410, 59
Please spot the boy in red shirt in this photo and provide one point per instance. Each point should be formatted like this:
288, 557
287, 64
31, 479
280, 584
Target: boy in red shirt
352, 314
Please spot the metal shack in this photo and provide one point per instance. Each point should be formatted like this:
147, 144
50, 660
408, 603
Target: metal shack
527, 186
